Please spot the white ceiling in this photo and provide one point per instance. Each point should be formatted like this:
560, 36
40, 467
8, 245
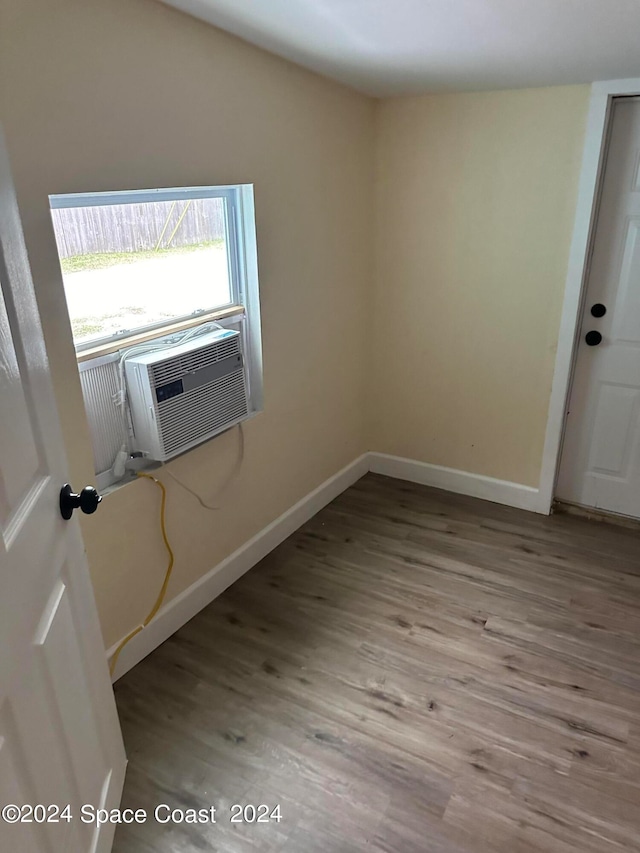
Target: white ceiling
393, 47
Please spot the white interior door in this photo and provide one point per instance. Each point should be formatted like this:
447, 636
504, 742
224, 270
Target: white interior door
600, 464
60, 741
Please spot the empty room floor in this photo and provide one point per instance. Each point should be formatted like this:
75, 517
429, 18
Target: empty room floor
412, 670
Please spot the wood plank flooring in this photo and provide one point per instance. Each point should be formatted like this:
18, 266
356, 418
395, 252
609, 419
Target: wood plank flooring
411, 671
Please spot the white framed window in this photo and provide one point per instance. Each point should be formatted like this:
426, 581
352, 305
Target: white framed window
147, 269
137, 260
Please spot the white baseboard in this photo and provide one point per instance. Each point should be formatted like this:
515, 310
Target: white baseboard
189, 602
461, 482
193, 599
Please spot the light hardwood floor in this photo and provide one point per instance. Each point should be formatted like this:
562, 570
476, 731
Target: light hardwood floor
411, 671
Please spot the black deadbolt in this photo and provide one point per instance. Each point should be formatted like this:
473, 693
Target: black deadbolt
592, 339
598, 310
87, 501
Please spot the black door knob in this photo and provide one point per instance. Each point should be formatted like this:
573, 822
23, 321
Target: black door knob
87, 501
598, 310
592, 339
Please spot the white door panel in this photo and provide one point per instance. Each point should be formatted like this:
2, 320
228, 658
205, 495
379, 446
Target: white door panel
626, 311
616, 412
60, 740
600, 464
17, 786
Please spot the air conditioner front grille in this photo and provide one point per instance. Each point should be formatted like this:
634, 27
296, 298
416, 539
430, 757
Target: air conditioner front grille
186, 394
175, 367
191, 417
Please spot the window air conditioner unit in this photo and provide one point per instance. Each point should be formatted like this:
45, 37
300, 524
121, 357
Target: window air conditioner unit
184, 395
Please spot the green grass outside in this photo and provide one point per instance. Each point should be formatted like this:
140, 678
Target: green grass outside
85, 326
101, 260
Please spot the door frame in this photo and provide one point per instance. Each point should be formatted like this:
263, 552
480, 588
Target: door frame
589, 188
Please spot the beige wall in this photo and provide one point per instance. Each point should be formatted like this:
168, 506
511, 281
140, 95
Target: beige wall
475, 203
453, 347
120, 94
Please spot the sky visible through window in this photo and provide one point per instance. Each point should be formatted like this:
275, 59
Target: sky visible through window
126, 266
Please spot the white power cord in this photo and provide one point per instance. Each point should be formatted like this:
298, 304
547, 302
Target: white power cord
226, 483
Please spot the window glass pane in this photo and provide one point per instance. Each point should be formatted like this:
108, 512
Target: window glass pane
126, 266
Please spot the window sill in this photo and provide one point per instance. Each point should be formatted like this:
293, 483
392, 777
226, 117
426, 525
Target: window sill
142, 337
148, 466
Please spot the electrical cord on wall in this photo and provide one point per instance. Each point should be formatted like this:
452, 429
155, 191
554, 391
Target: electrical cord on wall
167, 574
165, 583
232, 474
184, 486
